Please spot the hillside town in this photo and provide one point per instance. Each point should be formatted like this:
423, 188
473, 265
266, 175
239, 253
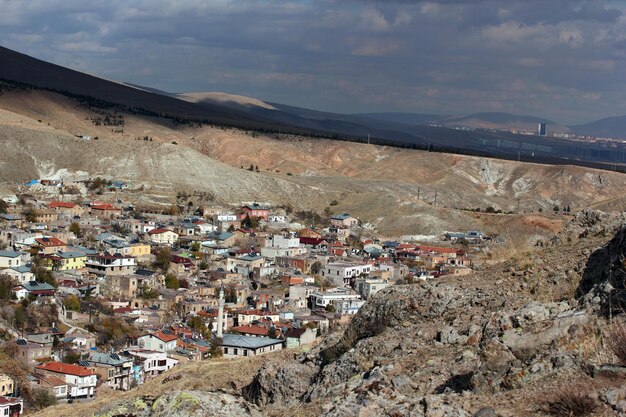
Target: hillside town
101, 295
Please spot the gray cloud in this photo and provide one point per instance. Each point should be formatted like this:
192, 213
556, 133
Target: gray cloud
560, 59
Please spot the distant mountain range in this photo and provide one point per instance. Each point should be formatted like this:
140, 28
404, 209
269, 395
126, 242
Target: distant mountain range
485, 133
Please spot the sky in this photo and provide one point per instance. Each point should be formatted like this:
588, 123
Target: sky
564, 60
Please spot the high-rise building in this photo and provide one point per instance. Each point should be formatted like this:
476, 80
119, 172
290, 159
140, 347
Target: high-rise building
542, 129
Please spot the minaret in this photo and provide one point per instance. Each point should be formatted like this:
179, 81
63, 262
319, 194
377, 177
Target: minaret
220, 311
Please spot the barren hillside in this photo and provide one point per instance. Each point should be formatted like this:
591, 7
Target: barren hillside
392, 189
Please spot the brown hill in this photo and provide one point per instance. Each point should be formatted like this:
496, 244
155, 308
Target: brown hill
391, 188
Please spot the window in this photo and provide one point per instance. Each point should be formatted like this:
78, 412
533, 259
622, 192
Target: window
245, 352
236, 351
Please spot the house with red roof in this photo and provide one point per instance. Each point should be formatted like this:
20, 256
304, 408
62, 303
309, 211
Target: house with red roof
49, 245
105, 211
255, 210
245, 317
11, 407
256, 330
313, 242
55, 386
80, 379
161, 236
299, 337
66, 209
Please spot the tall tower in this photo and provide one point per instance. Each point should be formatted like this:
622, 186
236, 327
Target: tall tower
220, 312
542, 129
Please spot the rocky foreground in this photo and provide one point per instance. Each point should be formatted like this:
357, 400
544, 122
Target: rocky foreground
533, 336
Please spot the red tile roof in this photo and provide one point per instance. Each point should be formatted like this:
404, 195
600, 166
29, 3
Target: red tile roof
61, 204
6, 400
158, 231
165, 337
52, 380
311, 240
405, 246
49, 241
436, 249
65, 368
295, 333
256, 330
104, 207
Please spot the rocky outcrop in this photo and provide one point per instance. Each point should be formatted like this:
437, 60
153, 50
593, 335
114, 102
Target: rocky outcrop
603, 284
182, 404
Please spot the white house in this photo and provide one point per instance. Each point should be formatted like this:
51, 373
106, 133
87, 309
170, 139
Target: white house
225, 217
22, 274
277, 218
81, 380
344, 301
107, 264
10, 259
368, 287
279, 245
234, 345
202, 227
154, 363
162, 236
341, 273
158, 341
13, 407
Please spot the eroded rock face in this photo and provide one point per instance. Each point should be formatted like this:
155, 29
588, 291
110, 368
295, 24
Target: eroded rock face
284, 384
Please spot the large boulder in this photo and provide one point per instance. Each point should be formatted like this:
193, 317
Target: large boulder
603, 284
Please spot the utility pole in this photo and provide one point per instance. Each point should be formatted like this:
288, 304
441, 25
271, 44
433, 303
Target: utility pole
435, 203
518, 205
418, 193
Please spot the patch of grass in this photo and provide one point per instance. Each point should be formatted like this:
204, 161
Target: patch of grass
572, 402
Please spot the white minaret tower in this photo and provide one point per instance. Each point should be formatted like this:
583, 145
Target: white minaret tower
220, 311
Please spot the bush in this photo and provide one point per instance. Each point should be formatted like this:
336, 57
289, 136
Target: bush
42, 398
72, 302
71, 356
171, 282
572, 402
163, 259
75, 228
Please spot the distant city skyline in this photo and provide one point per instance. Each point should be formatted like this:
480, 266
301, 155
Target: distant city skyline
562, 60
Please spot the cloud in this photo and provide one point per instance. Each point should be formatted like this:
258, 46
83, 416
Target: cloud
544, 57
